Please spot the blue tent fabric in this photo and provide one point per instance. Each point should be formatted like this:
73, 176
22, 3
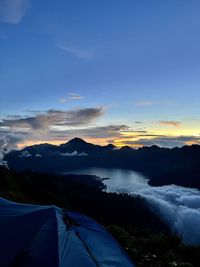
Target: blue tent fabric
48, 236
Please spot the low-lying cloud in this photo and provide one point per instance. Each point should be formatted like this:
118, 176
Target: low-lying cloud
8, 142
25, 154
179, 207
73, 154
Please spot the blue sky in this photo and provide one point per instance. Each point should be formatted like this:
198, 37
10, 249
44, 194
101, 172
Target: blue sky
133, 61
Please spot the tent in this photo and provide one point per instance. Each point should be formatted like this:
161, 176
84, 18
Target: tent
48, 236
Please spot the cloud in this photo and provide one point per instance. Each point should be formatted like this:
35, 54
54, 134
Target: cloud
163, 141
148, 102
73, 154
9, 141
71, 96
74, 96
80, 53
12, 11
171, 123
38, 156
138, 122
144, 103
25, 154
54, 118
179, 207
109, 131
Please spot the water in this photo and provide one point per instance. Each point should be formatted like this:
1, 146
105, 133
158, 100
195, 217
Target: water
120, 180
178, 206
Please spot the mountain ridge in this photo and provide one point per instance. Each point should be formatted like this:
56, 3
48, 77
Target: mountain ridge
163, 166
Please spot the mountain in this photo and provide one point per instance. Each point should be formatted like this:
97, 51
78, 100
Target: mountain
79, 145
162, 165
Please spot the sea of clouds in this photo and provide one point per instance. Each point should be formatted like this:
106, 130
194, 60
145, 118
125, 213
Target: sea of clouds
179, 207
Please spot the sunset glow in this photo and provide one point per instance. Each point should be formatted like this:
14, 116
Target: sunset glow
133, 81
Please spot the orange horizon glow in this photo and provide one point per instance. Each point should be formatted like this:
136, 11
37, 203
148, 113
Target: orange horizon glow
118, 142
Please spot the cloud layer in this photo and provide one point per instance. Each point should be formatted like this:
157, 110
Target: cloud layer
57, 126
97, 132
47, 126
178, 206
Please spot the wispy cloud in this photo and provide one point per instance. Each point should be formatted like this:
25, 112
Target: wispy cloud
171, 123
149, 102
81, 53
71, 96
138, 122
144, 103
12, 11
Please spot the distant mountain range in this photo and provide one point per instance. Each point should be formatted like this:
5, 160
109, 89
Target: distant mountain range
163, 166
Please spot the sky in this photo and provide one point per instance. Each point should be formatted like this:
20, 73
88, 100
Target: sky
112, 71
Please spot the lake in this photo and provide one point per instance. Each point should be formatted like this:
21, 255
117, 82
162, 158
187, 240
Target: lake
121, 180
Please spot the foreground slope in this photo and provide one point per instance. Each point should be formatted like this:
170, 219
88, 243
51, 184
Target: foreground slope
141, 233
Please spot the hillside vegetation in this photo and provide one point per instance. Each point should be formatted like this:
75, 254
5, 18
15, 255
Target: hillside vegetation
144, 236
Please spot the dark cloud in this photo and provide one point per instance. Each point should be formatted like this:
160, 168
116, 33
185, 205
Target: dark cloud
108, 131
54, 118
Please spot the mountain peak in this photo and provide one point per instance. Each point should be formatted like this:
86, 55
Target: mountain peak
76, 140
110, 146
